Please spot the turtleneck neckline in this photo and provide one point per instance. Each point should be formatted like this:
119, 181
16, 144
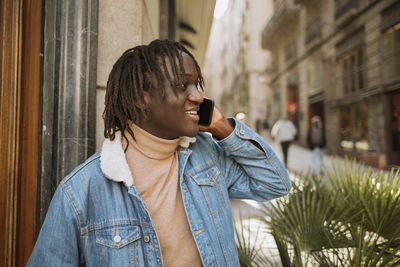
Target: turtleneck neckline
150, 145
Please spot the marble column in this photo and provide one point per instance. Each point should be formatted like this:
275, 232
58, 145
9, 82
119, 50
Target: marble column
68, 91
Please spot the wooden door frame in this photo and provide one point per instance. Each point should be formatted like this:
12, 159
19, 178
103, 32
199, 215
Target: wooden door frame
10, 90
20, 45
30, 129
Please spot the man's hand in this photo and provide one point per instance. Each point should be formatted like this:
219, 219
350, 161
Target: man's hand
220, 127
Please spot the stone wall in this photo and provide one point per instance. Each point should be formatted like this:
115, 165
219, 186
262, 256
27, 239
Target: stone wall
122, 24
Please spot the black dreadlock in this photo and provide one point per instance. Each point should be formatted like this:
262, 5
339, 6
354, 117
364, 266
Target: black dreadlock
141, 68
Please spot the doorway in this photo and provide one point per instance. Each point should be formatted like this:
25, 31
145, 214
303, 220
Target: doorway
394, 130
292, 105
316, 109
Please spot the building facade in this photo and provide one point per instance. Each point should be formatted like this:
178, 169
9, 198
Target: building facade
235, 62
339, 59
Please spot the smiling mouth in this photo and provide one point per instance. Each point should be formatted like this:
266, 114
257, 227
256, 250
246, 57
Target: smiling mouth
191, 112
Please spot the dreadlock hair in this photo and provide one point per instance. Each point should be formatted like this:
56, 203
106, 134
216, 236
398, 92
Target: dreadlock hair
141, 68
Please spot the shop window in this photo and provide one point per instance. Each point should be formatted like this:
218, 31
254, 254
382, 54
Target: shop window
346, 141
354, 127
360, 134
396, 122
391, 53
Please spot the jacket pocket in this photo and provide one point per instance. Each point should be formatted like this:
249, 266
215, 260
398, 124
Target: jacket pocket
118, 245
211, 189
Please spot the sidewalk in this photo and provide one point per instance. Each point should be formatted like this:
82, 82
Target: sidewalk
299, 160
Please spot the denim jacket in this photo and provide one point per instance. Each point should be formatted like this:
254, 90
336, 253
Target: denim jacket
98, 218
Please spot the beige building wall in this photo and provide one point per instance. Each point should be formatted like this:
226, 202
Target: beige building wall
122, 24
222, 62
235, 60
257, 60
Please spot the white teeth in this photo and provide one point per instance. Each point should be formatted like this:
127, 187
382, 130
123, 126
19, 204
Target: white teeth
191, 112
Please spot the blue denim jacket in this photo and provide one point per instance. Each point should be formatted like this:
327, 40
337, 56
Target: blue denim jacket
98, 218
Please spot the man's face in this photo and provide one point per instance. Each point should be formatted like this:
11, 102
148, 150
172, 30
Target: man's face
176, 114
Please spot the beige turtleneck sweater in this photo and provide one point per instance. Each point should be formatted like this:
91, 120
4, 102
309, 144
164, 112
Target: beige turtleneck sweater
154, 166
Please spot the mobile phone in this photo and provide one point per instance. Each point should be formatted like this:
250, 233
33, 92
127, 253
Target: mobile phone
206, 111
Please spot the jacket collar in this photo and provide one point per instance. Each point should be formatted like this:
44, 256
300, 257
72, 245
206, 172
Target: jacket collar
113, 161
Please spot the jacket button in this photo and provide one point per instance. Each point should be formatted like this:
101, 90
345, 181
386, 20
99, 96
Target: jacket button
146, 238
117, 239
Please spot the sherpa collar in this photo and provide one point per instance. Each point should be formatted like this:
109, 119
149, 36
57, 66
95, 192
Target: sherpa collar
113, 161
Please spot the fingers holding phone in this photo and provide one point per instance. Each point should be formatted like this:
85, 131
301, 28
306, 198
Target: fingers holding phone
212, 120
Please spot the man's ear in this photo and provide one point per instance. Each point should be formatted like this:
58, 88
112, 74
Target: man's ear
146, 97
139, 104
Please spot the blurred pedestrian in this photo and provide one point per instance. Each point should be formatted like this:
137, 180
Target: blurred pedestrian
157, 193
265, 125
316, 142
258, 126
284, 132
264, 131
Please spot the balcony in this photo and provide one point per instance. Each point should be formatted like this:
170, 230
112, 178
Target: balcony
281, 23
305, 2
344, 6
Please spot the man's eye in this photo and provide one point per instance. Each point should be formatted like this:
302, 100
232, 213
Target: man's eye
181, 86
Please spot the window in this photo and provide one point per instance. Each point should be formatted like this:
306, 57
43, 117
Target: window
359, 69
391, 53
290, 51
352, 70
315, 77
313, 30
354, 127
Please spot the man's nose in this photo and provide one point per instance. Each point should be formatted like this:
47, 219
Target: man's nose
195, 95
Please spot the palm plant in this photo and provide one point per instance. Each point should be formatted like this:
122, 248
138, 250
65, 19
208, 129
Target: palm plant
303, 223
348, 217
374, 196
249, 243
374, 199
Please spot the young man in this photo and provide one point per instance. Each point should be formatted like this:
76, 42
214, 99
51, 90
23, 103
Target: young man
154, 195
284, 132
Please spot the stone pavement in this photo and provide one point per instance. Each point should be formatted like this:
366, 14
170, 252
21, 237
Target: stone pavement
299, 160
